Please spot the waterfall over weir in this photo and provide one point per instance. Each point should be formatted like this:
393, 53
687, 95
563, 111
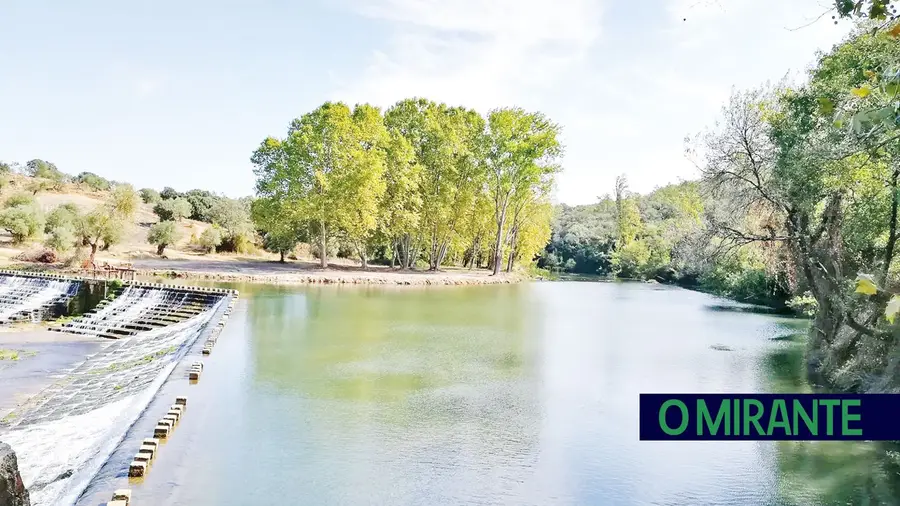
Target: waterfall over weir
63, 435
20, 296
138, 309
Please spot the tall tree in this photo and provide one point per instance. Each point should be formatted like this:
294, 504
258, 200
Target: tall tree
522, 158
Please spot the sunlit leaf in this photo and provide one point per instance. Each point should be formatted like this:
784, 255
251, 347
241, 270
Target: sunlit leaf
892, 88
838, 123
893, 307
869, 74
826, 106
894, 31
865, 284
861, 92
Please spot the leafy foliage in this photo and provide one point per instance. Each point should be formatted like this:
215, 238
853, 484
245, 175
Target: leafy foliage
163, 234
150, 196
173, 209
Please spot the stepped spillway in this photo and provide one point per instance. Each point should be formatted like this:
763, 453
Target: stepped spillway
64, 434
142, 308
31, 297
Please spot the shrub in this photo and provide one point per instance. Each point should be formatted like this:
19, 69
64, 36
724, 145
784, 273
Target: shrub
61, 238
173, 209
23, 221
92, 181
150, 196
211, 238
64, 215
163, 234
42, 255
169, 193
18, 199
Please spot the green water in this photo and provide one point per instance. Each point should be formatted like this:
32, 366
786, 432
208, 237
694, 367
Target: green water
507, 395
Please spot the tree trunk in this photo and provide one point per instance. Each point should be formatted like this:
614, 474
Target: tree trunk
93, 252
323, 247
363, 257
281, 260
393, 254
498, 241
160, 249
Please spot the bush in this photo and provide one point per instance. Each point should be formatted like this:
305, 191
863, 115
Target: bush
150, 196
64, 215
44, 169
163, 234
804, 304
211, 238
92, 181
202, 203
61, 238
239, 243
169, 193
23, 222
173, 209
19, 199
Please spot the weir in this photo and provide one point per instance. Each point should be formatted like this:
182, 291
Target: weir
64, 434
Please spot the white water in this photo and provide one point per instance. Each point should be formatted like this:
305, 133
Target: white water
21, 294
85, 442
130, 304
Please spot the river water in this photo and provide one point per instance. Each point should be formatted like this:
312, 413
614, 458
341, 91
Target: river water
506, 395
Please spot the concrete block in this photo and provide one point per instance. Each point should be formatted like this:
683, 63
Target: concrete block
176, 407
123, 494
117, 503
143, 457
148, 448
150, 441
169, 423
173, 418
207, 351
161, 431
176, 414
137, 469
194, 375
198, 364
181, 401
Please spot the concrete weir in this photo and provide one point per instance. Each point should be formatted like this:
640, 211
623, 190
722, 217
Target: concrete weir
63, 435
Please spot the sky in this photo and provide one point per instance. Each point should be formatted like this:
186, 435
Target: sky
176, 93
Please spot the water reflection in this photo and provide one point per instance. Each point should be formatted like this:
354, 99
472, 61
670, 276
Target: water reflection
824, 473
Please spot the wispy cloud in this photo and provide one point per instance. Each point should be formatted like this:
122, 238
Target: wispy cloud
481, 54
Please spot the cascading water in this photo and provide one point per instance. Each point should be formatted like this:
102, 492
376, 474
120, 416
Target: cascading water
20, 295
62, 443
131, 304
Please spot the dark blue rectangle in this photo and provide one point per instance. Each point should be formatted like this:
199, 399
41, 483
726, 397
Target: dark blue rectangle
878, 417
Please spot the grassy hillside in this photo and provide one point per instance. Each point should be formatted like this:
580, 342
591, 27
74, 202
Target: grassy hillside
134, 244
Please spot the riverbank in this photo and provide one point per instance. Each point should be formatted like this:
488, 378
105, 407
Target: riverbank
294, 273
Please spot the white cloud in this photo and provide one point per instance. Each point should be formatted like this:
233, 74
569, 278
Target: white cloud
470, 52
626, 92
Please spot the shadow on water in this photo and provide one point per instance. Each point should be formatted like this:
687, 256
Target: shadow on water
827, 472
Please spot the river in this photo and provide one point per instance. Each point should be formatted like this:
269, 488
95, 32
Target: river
509, 395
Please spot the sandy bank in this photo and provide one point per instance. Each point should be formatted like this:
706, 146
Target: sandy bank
298, 272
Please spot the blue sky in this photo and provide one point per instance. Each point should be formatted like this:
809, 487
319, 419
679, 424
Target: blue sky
179, 94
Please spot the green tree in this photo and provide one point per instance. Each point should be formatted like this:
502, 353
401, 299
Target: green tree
124, 200
23, 221
169, 193
92, 181
43, 169
211, 238
281, 228
163, 234
524, 149
401, 203
100, 229
175, 209
150, 196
